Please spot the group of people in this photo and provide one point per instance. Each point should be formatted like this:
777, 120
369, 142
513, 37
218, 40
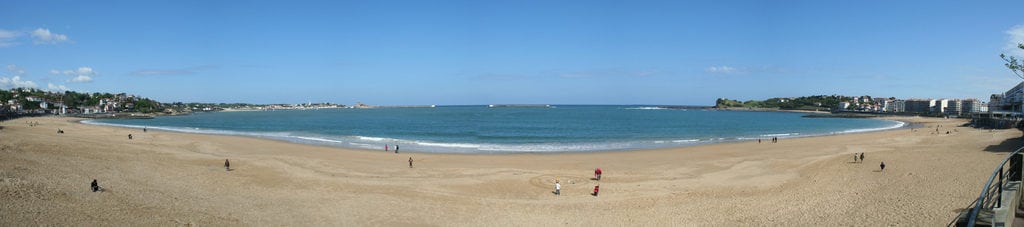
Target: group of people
597, 188
386, 148
860, 159
774, 140
855, 158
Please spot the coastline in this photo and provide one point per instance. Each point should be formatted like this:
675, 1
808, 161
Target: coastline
904, 123
374, 143
161, 178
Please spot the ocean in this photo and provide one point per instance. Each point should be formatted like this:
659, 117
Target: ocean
480, 129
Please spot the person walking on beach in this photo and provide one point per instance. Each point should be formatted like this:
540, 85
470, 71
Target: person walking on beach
558, 188
94, 186
854, 157
396, 148
882, 166
597, 188
410, 162
227, 165
385, 147
862, 157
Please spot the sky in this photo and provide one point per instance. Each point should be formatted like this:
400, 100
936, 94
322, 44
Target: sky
510, 52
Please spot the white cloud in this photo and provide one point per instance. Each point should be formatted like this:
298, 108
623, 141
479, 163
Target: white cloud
721, 69
81, 79
8, 38
44, 36
14, 69
15, 81
1016, 38
80, 75
52, 87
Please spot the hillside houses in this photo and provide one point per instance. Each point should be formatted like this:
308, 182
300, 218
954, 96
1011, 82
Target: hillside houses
27, 100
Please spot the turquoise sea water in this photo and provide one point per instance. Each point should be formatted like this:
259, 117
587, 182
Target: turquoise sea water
479, 129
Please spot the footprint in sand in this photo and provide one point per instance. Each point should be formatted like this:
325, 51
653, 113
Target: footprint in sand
548, 180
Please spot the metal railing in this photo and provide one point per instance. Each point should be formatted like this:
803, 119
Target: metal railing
992, 194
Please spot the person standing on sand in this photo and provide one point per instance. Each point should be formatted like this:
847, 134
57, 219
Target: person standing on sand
227, 165
558, 188
596, 189
410, 162
882, 166
854, 157
862, 157
385, 147
396, 148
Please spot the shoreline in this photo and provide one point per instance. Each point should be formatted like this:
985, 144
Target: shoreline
643, 144
161, 178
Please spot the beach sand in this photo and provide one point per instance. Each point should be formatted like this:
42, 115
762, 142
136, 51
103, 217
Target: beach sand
168, 178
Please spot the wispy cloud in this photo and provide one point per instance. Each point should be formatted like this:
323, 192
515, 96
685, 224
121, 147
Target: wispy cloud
1016, 37
722, 69
44, 36
8, 38
79, 75
13, 78
53, 87
173, 72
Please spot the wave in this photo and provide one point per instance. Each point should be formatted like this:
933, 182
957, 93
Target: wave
686, 141
370, 138
898, 124
483, 146
319, 139
645, 108
781, 134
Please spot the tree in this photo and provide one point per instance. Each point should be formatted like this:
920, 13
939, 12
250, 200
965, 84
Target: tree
1014, 64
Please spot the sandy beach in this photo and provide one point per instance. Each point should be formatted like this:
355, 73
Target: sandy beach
168, 178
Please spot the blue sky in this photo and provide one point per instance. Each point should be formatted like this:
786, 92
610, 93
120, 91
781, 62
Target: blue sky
478, 52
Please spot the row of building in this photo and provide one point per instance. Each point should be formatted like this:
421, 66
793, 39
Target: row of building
940, 107
1009, 101
56, 105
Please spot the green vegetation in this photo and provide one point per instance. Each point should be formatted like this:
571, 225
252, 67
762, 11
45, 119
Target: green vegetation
35, 101
77, 101
818, 102
722, 103
1014, 64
